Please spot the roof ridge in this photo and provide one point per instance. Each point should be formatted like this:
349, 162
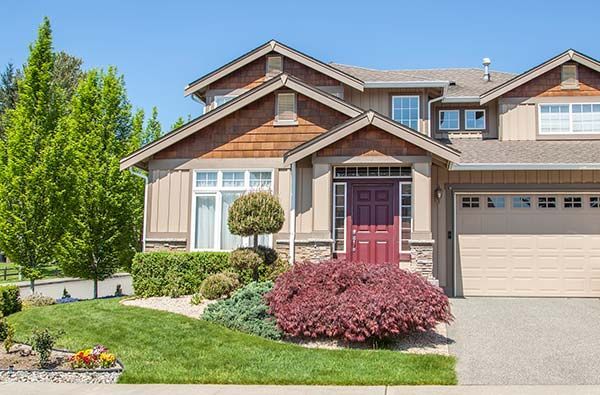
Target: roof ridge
417, 70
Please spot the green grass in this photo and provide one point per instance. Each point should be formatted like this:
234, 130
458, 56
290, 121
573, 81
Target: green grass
160, 347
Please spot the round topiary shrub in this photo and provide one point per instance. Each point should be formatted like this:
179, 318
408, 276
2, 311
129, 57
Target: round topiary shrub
219, 285
255, 213
355, 301
245, 258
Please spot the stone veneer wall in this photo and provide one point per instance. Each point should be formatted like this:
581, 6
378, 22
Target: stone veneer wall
155, 245
306, 250
421, 259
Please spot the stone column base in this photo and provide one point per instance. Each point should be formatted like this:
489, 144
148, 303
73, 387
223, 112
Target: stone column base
174, 245
421, 259
306, 250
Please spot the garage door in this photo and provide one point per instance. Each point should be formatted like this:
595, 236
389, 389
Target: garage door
528, 245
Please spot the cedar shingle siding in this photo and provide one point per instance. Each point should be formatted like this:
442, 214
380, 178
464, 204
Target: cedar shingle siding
371, 141
250, 133
548, 84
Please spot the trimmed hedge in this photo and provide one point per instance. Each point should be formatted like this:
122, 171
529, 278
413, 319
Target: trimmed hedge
219, 285
174, 273
10, 302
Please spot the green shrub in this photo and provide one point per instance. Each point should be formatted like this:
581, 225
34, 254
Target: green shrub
257, 264
3, 328
9, 338
9, 299
255, 213
245, 258
246, 311
174, 273
196, 299
219, 285
37, 300
42, 341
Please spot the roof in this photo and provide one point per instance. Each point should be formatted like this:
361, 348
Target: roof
523, 155
268, 47
197, 124
568, 55
466, 82
382, 122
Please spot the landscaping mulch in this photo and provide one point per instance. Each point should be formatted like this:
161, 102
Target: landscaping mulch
181, 305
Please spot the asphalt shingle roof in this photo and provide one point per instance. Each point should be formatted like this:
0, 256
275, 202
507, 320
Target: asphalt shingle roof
466, 81
517, 152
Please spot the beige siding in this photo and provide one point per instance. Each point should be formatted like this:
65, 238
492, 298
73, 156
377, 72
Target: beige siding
517, 120
169, 203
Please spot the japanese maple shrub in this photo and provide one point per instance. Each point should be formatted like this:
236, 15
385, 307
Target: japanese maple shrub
355, 301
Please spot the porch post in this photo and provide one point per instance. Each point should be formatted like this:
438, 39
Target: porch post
292, 252
421, 243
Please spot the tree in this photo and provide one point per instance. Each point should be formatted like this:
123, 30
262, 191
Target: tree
103, 236
179, 122
67, 73
31, 220
153, 129
8, 92
254, 214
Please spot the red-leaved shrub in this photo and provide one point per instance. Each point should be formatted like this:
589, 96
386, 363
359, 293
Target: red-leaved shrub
355, 301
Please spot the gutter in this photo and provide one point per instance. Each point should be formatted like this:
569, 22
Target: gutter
400, 84
429, 112
142, 175
523, 166
461, 99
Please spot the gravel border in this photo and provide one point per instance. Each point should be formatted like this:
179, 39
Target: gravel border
179, 305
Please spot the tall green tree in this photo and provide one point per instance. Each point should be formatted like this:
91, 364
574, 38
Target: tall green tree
179, 122
153, 129
67, 72
30, 219
103, 235
8, 93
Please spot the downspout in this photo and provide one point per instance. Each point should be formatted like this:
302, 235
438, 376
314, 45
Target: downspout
292, 252
429, 113
137, 172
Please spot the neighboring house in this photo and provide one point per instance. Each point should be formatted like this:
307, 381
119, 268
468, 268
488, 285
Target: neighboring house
487, 182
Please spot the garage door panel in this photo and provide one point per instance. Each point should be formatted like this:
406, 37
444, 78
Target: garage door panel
529, 251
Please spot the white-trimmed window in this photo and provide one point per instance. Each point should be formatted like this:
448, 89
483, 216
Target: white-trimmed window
405, 109
449, 120
274, 65
495, 202
521, 201
569, 118
405, 216
219, 100
470, 202
213, 193
594, 201
474, 119
573, 202
339, 216
546, 202
285, 109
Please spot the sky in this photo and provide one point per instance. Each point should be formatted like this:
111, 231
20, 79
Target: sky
160, 46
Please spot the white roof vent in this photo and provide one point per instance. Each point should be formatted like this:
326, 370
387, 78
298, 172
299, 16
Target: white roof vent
486, 68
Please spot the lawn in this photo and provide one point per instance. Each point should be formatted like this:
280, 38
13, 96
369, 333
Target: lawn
160, 347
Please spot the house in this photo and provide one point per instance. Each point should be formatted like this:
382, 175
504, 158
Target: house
486, 182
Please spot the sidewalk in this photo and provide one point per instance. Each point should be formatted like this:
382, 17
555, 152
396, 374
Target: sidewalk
181, 389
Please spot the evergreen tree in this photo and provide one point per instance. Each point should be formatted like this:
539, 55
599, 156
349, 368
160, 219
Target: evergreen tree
153, 129
8, 92
30, 222
67, 72
104, 227
179, 122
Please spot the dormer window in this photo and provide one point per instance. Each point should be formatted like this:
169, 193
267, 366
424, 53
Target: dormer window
285, 109
274, 65
568, 77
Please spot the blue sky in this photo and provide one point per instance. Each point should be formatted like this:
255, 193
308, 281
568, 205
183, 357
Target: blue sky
160, 46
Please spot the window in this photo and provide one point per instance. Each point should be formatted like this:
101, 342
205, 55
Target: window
405, 109
222, 99
595, 201
470, 202
474, 119
570, 118
546, 202
274, 65
521, 202
568, 77
573, 202
405, 216
449, 120
214, 192
285, 113
372, 171
339, 216
495, 201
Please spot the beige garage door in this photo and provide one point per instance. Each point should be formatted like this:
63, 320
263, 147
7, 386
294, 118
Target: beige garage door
528, 245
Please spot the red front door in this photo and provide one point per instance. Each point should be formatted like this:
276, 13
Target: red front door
373, 222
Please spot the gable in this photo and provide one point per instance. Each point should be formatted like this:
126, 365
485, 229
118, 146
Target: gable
250, 133
371, 141
549, 84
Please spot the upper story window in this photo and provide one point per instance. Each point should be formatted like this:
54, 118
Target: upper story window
569, 118
474, 119
285, 109
274, 65
568, 77
449, 119
222, 99
405, 109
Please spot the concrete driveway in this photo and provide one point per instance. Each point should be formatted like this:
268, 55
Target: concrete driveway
526, 340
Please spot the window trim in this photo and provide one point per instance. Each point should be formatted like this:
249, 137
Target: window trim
401, 206
484, 118
286, 122
567, 132
217, 192
440, 119
345, 185
418, 129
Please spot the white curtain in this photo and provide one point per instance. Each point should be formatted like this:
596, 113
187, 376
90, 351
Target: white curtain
228, 241
205, 221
